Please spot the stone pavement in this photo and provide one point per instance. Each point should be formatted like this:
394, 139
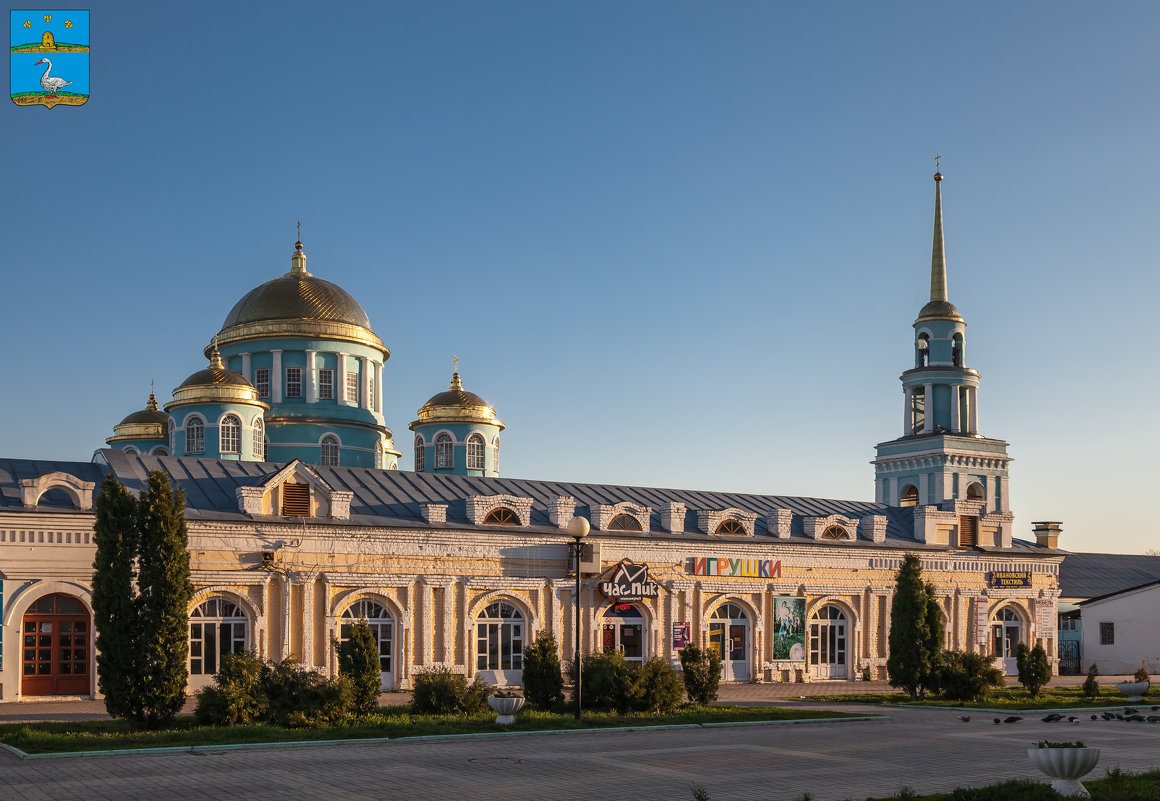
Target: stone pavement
928, 749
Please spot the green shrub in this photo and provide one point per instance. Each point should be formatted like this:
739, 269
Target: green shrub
660, 688
967, 677
236, 695
701, 670
297, 696
1091, 687
439, 691
358, 659
607, 682
1034, 669
543, 679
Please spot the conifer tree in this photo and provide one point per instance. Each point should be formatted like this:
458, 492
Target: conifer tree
909, 661
358, 658
114, 599
165, 591
935, 632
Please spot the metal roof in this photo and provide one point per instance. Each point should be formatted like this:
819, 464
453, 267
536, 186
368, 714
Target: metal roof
1090, 575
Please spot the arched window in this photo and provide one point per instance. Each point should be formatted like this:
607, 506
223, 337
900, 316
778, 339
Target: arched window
835, 533
499, 632
259, 441
624, 522
495, 455
909, 496
922, 350
378, 456
382, 626
957, 350
502, 516
230, 434
729, 612
217, 626
730, 526
419, 454
475, 452
160, 450
129, 449
444, 455
975, 492
194, 435
329, 451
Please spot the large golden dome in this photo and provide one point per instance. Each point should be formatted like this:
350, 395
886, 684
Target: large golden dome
298, 304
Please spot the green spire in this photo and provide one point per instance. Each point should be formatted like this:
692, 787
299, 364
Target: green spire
938, 261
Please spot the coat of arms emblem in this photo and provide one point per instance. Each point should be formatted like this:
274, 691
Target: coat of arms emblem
49, 52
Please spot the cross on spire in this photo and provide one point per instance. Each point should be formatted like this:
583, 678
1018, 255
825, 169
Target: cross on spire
455, 361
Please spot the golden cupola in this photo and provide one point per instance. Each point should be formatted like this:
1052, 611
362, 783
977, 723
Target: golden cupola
299, 304
456, 405
149, 423
215, 384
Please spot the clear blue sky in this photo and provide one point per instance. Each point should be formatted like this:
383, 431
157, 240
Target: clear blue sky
673, 243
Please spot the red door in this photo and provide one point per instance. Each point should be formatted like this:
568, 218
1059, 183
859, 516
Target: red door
57, 636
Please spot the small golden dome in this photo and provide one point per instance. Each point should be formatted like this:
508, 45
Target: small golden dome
215, 384
149, 423
456, 405
939, 310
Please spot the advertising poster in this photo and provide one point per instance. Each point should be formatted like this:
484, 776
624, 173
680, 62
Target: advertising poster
680, 635
789, 628
981, 621
1044, 615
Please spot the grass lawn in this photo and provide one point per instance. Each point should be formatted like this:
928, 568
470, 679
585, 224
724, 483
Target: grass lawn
1114, 786
1013, 698
100, 735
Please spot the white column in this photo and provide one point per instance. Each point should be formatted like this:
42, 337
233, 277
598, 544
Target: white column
907, 412
974, 410
365, 383
276, 378
246, 367
449, 621
340, 378
928, 408
955, 409
311, 378
378, 387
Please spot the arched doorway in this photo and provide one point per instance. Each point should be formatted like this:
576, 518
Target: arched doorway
57, 647
622, 629
1006, 634
828, 656
729, 637
499, 644
382, 625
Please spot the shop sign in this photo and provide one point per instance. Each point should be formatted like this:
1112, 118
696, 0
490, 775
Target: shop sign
981, 621
1009, 578
789, 628
680, 635
748, 568
629, 583
1044, 615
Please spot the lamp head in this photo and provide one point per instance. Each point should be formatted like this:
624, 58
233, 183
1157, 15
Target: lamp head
578, 527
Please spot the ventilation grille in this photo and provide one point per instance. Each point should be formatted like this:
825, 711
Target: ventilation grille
968, 532
295, 499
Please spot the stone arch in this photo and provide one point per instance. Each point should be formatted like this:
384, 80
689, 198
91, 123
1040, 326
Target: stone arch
18, 604
736, 600
231, 594
852, 617
80, 492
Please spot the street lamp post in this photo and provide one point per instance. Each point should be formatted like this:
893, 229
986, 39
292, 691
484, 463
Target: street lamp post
578, 530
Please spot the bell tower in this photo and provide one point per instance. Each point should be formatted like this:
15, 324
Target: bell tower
941, 463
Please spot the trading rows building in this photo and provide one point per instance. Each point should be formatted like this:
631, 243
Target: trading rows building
299, 520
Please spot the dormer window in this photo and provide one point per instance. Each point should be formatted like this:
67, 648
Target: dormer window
624, 522
501, 516
295, 499
731, 526
835, 533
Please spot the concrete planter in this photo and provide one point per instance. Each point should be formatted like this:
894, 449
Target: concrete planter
1065, 766
1133, 689
505, 708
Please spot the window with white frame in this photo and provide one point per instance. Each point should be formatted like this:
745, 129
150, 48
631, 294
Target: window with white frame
293, 382
419, 460
378, 456
230, 434
371, 390
259, 439
129, 449
444, 451
382, 626
326, 385
475, 452
329, 453
499, 633
159, 451
262, 381
217, 626
352, 387
495, 454
194, 435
